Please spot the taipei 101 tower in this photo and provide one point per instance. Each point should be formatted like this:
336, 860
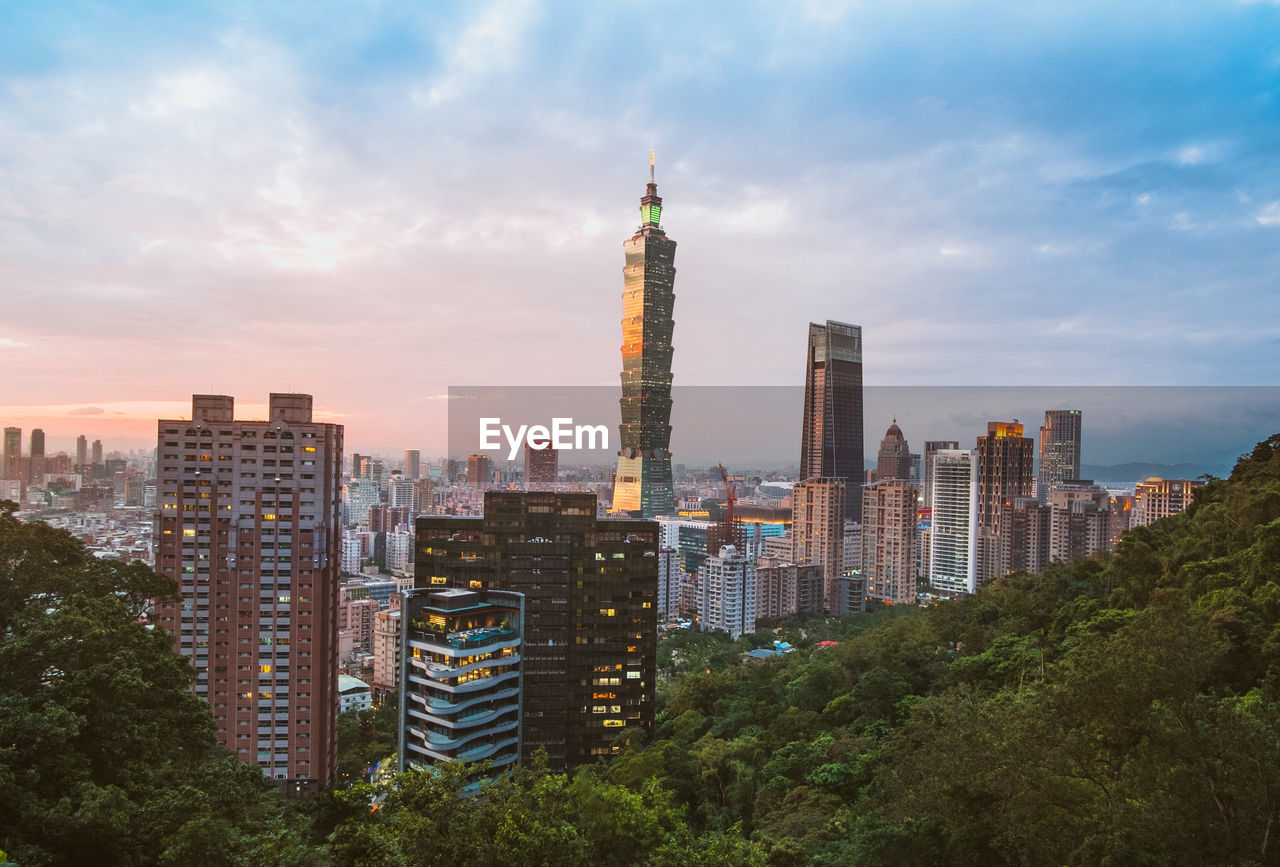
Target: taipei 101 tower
642, 485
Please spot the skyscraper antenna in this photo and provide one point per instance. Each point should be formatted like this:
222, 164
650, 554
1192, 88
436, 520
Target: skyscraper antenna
651, 154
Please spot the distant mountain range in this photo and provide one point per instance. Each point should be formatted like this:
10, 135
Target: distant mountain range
1137, 472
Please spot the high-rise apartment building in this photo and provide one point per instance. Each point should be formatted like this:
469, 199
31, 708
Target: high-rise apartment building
669, 576
889, 541
728, 586
12, 468
1005, 462
1060, 439
591, 593
1158, 498
412, 463
932, 447
817, 528
479, 471
247, 526
894, 458
953, 559
460, 677
82, 452
95, 453
642, 483
831, 436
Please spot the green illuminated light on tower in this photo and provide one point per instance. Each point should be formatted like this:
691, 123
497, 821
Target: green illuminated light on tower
651, 213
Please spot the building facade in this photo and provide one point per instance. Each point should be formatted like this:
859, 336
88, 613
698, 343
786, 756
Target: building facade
1005, 462
591, 593
831, 433
817, 529
642, 484
1158, 498
728, 586
1061, 436
461, 658
953, 548
247, 525
889, 541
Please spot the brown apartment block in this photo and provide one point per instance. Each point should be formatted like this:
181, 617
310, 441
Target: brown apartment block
247, 526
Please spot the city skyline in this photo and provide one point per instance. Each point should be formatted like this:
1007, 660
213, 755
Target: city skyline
263, 170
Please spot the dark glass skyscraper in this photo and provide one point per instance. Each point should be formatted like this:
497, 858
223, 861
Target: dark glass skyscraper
832, 435
642, 485
1060, 438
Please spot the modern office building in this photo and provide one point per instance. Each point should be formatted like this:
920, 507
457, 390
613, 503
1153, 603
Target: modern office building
95, 453
461, 660
479, 471
1060, 439
817, 528
728, 587
1005, 462
831, 436
642, 484
894, 458
591, 594
889, 541
12, 468
1158, 498
82, 453
35, 462
953, 548
541, 467
247, 525
412, 464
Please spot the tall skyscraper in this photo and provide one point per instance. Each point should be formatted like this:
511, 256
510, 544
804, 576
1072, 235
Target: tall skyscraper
1005, 459
817, 529
247, 525
1060, 438
831, 444
953, 552
35, 466
894, 458
12, 453
591, 594
642, 484
412, 463
82, 451
95, 453
889, 540
541, 466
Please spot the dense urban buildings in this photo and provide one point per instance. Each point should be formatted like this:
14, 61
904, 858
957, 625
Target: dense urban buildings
591, 592
831, 432
460, 680
479, 471
642, 485
1061, 436
247, 525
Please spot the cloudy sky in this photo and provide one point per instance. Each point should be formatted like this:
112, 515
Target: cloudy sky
372, 201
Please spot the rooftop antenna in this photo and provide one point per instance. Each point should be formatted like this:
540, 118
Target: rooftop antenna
651, 155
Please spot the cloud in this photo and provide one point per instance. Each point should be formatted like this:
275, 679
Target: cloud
1270, 215
87, 410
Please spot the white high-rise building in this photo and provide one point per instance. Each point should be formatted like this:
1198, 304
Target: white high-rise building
360, 494
729, 592
668, 582
400, 492
953, 549
352, 554
399, 550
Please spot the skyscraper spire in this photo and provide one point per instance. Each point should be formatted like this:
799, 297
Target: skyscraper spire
651, 180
